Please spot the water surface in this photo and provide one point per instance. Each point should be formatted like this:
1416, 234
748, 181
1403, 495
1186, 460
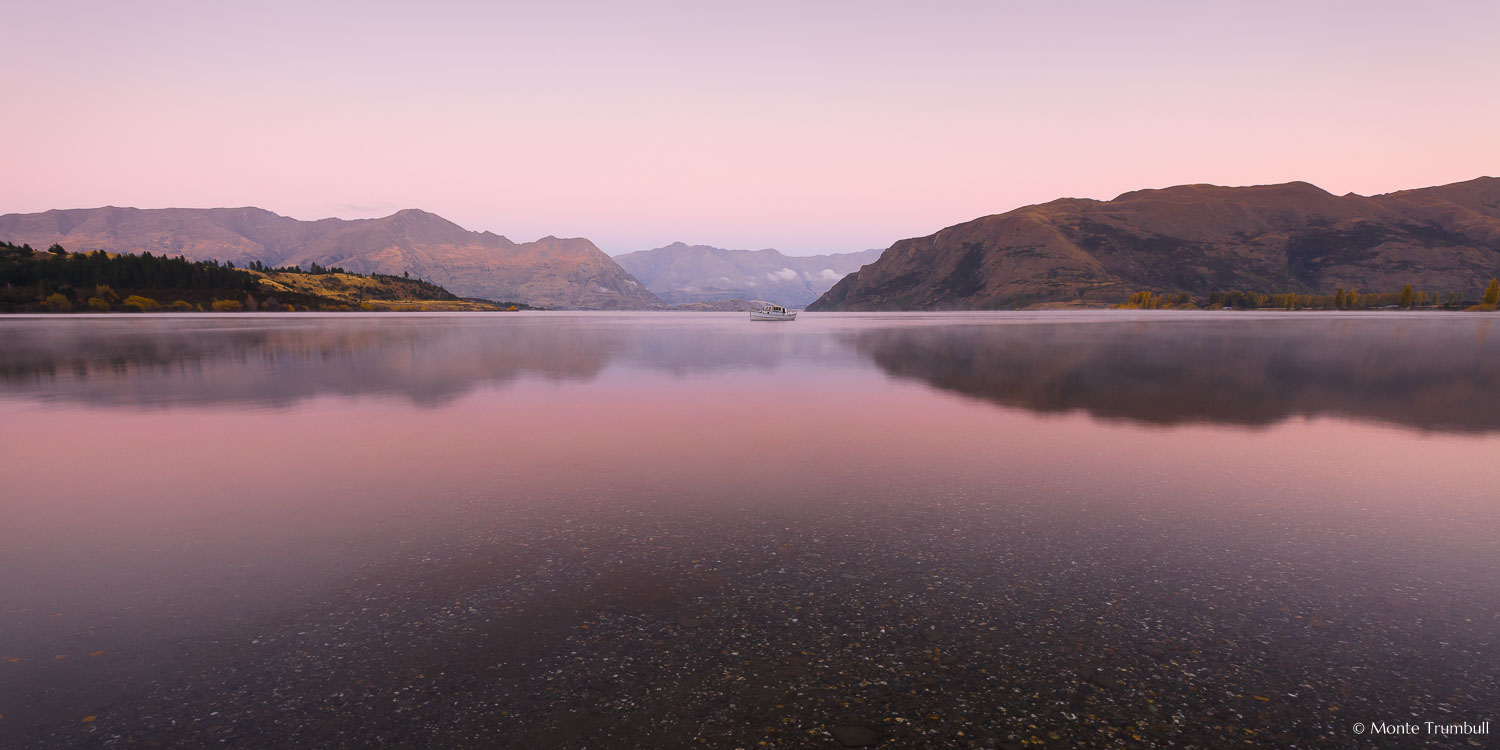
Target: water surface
670, 530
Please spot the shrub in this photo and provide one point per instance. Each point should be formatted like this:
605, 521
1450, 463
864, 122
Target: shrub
105, 293
57, 303
1143, 301
141, 304
227, 305
182, 305
98, 304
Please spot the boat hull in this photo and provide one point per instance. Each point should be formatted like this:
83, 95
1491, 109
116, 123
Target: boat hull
758, 315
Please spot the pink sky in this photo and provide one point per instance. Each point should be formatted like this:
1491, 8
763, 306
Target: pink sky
809, 127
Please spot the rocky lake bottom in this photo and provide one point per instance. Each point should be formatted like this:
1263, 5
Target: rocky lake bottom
934, 628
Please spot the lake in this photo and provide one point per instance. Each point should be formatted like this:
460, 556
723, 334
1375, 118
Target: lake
1000, 530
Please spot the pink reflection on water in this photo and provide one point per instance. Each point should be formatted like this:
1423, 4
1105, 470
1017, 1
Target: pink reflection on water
112, 502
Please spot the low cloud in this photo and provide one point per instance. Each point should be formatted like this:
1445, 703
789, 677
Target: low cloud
785, 274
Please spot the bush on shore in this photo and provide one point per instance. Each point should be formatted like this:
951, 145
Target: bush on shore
137, 303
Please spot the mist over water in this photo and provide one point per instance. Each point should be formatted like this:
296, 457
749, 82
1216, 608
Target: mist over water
639, 529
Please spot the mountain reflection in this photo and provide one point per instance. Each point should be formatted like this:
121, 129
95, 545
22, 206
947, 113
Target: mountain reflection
1438, 372
430, 360
278, 363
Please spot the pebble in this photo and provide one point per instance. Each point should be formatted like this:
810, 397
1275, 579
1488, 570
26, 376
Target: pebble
548, 634
854, 736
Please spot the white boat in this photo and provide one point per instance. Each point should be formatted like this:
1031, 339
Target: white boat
773, 312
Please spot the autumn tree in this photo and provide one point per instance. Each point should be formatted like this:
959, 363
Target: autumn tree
57, 303
137, 303
1492, 292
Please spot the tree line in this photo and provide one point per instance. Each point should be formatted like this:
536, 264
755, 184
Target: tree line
1340, 299
55, 280
315, 269
58, 269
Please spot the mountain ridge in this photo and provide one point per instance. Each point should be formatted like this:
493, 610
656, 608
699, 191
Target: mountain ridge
550, 271
1198, 239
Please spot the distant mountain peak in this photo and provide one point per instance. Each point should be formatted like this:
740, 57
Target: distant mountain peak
414, 213
1293, 189
682, 273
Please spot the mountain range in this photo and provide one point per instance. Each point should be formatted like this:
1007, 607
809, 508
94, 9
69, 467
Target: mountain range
1198, 239
550, 272
680, 273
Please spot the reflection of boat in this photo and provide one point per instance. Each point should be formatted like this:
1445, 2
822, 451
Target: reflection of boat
773, 312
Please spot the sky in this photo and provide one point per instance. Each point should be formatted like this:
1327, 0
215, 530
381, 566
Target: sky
805, 126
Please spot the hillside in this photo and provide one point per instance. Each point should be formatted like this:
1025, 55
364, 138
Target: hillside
680, 273
56, 280
378, 292
550, 272
1197, 239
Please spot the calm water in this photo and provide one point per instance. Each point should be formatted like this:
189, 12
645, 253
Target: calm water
671, 530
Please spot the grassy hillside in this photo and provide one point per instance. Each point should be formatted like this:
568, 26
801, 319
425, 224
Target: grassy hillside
55, 280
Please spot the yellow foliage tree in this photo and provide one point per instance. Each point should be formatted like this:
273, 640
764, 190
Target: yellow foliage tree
57, 303
141, 304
